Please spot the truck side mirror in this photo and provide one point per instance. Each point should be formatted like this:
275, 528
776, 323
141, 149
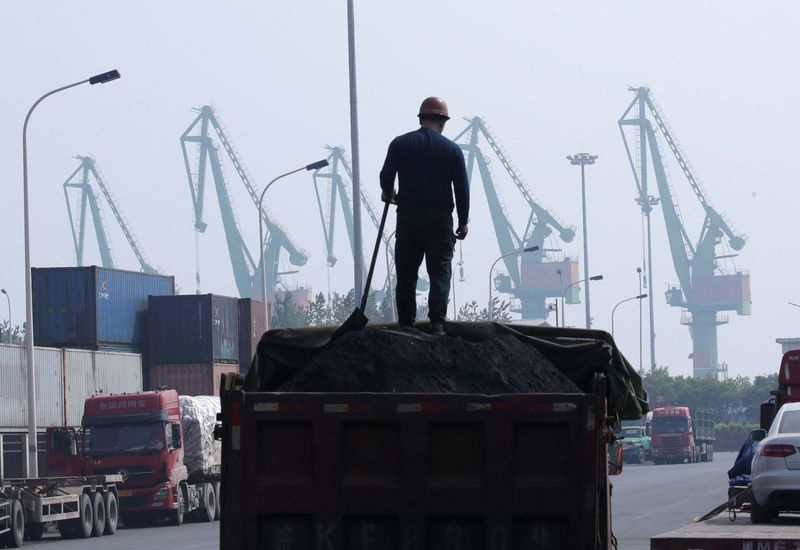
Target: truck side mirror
615, 459
62, 441
758, 435
176, 435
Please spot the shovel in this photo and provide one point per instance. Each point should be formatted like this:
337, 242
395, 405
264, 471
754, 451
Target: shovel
358, 320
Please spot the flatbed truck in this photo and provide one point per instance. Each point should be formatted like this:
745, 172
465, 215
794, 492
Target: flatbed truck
719, 533
82, 506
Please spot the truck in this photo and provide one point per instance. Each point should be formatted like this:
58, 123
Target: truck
160, 444
341, 470
788, 390
82, 506
636, 443
681, 435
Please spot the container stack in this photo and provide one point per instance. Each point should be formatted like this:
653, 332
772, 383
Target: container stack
193, 340
94, 308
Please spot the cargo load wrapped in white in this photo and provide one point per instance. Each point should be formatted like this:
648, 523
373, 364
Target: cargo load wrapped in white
199, 416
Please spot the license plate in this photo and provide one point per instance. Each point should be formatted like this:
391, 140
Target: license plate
126, 493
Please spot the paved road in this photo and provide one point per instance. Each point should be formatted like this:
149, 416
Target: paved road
649, 500
194, 536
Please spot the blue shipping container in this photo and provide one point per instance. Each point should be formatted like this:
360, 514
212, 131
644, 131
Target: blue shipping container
193, 329
94, 307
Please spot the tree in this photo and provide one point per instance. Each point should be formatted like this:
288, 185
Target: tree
471, 311
17, 334
287, 314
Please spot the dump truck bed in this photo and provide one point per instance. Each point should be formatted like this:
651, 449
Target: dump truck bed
413, 471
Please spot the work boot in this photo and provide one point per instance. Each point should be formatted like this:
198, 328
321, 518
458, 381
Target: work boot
437, 328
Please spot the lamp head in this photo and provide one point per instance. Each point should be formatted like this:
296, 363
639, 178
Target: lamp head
105, 77
3, 291
641, 296
596, 278
317, 165
530, 249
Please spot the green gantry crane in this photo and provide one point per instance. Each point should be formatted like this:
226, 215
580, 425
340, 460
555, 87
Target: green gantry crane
534, 276
706, 285
80, 197
246, 269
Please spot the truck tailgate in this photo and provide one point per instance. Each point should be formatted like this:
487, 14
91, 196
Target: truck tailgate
412, 471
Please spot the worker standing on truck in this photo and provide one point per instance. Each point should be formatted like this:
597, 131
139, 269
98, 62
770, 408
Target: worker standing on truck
430, 169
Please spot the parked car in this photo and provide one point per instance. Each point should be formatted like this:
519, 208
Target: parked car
776, 467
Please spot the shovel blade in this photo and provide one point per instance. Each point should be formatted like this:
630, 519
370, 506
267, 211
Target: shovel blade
356, 321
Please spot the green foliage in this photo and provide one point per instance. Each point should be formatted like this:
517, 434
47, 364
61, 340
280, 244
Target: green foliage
17, 334
471, 311
323, 312
730, 437
736, 400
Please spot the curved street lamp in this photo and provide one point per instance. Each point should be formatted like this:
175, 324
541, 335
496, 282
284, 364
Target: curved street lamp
563, 294
491, 286
582, 160
639, 297
33, 466
314, 166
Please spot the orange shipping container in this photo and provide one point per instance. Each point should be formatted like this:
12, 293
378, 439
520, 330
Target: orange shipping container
190, 378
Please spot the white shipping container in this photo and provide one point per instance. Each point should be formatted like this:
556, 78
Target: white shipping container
58, 404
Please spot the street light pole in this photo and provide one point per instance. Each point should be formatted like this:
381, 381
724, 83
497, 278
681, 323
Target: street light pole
491, 286
563, 294
639, 271
3, 291
358, 260
33, 466
639, 297
561, 289
315, 166
582, 159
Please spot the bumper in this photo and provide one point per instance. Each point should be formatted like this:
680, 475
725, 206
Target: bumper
631, 453
777, 488
146, 499
672, 452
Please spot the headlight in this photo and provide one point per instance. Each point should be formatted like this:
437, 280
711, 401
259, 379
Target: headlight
161, 494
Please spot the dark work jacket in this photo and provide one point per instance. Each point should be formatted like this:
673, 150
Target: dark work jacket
430, 169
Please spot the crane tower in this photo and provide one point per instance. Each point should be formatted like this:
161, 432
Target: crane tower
707, 285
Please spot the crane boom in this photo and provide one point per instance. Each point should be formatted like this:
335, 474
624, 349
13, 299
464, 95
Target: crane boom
88, 166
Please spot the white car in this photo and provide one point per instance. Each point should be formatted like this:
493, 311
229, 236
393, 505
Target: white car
776, 467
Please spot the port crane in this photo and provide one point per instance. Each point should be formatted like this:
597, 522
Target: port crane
535, 276
80, 198
246, 269
707, 286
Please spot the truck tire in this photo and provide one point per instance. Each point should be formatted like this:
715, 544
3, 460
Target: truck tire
15, 537
98, 514
34, 531
176, 516
209, 509
711, 453
217, 489
85, 523
112, 512
640, 455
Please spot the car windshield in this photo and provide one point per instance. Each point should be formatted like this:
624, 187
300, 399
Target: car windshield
669, 424
790, 423
631, 432
138, 438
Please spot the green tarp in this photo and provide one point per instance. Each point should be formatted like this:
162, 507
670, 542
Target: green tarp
578, 353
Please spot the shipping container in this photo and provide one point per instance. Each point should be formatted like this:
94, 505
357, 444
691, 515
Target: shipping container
93, 307
251, 327
190, 378
64, 379
193, 329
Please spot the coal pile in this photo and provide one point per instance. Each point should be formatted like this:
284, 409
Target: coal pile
410, 361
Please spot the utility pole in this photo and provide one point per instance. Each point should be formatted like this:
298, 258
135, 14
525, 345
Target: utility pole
358, 260
582, 159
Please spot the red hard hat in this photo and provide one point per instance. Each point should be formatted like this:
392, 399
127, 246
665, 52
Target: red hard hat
434, 106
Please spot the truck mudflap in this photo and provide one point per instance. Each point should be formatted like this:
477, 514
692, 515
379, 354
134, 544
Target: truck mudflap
413, 471
719, 533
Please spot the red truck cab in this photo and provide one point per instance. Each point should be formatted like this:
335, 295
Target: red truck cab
137, 436
673, 435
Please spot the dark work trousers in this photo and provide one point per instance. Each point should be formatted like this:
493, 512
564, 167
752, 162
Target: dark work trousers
429, 233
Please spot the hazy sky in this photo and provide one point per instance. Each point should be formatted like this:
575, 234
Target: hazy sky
550, 78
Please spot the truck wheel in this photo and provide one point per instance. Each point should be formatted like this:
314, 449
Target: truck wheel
176, 516
209, 511
711, 453
99, 514
15, 537
640, 455
112, 512
761, 514
217, 489
34, 531
85, 523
